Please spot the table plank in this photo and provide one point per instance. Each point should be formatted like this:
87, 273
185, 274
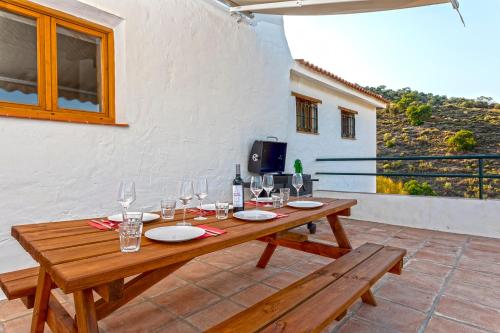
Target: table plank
39, 227
80, 274
63, 246
62, 255
70, 245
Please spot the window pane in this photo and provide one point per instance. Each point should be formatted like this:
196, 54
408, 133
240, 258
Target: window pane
18, 59
78, 70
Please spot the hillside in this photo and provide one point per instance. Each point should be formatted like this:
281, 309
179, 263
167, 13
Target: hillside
396, 136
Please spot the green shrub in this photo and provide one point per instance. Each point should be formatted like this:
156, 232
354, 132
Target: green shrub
390, 143
396, 164
422, 138
406, 100
393, 108
463, 140
418, 114
413, 187
406, 138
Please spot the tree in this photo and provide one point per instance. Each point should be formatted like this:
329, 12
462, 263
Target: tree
485, 99
407, 100
463, 140
418, 114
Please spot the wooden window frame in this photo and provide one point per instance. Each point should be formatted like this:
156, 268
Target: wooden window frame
47, 20
348, 118
306, 114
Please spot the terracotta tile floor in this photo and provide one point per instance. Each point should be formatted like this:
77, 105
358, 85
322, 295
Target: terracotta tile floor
451, 283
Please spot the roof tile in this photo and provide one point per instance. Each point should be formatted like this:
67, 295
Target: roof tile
341, 80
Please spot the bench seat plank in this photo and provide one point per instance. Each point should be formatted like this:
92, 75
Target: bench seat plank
265, 312
19, 283
328, 304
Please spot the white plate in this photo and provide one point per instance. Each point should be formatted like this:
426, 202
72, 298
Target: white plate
211, 207
255, 215
174, 233
263, 199
305, 204
146, 217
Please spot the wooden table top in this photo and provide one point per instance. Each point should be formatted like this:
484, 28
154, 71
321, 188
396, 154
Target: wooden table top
78, 256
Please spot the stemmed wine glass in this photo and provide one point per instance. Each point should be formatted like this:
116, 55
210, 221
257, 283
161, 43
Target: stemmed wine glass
268, 185
185, 196
201, 192
126, 194
256, 188
297, 182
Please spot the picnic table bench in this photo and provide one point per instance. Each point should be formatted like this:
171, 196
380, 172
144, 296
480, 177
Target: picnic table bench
81, 260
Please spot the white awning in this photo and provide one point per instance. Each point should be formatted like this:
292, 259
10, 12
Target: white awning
324, 7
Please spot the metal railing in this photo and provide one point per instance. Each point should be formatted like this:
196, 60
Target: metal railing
480, 175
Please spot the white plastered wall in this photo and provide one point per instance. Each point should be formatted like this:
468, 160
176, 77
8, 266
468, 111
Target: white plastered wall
195, 87
328, 142
457, 215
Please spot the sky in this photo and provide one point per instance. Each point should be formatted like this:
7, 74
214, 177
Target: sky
426, 48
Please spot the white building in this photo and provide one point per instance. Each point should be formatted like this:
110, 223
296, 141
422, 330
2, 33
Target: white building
338, 120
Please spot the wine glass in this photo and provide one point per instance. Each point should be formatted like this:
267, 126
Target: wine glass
126, 194
297, 182
268, 184
185, 196
201, 192
256, 187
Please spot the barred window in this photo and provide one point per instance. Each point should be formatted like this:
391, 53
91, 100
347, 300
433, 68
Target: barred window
348, 123
307, 116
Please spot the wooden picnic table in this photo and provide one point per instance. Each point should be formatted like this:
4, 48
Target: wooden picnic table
80, 259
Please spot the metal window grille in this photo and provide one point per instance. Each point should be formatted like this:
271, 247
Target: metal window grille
307, 116
348, 122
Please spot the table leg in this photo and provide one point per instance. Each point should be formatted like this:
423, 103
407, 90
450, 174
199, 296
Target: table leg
266, 256
369, 298
134, 288
86, 318
42, 297
343, 242
339, 232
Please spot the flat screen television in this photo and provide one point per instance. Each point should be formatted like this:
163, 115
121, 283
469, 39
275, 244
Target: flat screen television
267, 157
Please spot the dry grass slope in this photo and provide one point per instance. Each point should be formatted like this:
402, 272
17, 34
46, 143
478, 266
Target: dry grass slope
396, 137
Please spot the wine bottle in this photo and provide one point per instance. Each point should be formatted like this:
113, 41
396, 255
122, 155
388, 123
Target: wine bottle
238, 194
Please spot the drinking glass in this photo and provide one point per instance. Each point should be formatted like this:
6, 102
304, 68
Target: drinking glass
130, 231
126, 194
130, 236
168, 209
286, 193
221, 210
277, 200
132, 217
185, 196
268, 183
256, 188
297, 182
201, 192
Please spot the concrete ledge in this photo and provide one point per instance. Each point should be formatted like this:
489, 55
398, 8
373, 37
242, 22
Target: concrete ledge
457, 215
